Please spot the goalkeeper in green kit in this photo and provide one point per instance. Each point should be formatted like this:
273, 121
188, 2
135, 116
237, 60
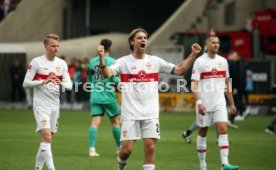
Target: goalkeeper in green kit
103, 99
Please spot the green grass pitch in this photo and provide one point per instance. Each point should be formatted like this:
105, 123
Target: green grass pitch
251, 148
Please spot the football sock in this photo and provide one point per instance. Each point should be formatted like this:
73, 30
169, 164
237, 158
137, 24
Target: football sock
121, 163
92, 136
39, 159
46, 153
193, 127
117, 135
224, 148
201, 150
148, 166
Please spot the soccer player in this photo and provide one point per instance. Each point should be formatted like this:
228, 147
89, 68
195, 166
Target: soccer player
103, 100
139, 85
46, 74
210, 80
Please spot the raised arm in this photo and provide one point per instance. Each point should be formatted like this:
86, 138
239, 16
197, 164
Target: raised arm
106, 71
182, 68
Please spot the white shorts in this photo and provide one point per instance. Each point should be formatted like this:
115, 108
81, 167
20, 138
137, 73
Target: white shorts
137, 129
220, 115
46, 118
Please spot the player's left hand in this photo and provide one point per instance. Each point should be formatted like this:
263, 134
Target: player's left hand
233, 109
196, 48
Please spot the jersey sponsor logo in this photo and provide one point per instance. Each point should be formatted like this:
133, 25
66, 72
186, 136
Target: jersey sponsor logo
214, 73
45, 68
140, 77
142, 74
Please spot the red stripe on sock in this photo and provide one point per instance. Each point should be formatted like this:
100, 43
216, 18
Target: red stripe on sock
201, 150
223, 147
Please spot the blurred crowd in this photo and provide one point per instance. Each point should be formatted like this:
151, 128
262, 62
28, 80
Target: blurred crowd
7, 6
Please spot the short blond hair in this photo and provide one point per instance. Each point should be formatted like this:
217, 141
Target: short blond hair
51, 36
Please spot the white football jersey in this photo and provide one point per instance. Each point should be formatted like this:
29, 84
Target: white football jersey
211, 74
139, 85
40, 68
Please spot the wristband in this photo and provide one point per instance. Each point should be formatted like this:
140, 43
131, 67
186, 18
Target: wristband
198, 102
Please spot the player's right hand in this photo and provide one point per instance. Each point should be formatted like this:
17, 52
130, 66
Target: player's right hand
201, 109
100, 50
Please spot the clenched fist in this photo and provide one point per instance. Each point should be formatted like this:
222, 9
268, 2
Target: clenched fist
100, 50
196, 48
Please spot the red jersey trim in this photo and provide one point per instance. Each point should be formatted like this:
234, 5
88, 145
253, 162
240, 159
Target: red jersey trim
139, 78
208, 75
43, 76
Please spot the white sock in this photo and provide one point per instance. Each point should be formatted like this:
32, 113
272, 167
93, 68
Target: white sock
39, 159
148, 166
121, 163
47, 155
224, 148
92, 149
201, 150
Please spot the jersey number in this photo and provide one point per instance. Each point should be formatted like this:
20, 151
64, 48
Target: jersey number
98, 73
157, 128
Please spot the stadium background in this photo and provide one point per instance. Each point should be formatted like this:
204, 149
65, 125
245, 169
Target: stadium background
243, 25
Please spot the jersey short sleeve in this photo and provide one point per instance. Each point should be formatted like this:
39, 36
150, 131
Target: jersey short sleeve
116, 67
165, 67
196, 71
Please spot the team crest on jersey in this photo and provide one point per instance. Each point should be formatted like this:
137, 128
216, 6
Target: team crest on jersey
148, 65
193, 71
58, 69
124, 133
30, 67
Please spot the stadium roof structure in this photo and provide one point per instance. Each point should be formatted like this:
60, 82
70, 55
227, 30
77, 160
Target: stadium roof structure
11, 48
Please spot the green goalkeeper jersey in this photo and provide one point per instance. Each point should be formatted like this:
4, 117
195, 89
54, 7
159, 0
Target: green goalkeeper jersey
102, 90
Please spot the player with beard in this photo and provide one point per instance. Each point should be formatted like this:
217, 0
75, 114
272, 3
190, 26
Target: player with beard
140, 102
210, 83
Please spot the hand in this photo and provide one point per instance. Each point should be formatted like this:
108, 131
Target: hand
100, 50
233, 109
196, 48
54, 79
201, 109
